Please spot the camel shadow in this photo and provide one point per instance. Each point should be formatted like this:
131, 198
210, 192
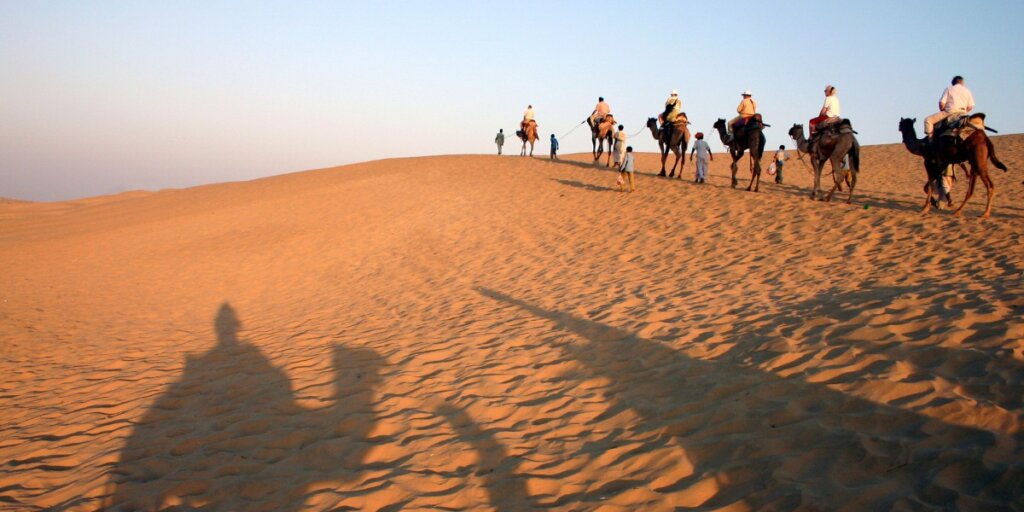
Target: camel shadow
767, 442
229, 434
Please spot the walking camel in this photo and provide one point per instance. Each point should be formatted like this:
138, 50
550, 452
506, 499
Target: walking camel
677, 143
831, 146
749, 136
976, 148
528, 134
599, 133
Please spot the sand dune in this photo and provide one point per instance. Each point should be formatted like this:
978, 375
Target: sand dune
505, 333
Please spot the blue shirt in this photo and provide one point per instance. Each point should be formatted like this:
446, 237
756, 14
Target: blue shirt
554, 143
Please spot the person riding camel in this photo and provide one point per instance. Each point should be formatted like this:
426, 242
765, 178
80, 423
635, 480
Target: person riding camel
600, 112
746, 109
527, 117
829, 112
673, 107
956, 100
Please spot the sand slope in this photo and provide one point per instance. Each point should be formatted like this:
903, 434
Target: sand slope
476, 332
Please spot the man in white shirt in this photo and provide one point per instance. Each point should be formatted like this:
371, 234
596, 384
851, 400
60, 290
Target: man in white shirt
527, 117
829, 111
956, 100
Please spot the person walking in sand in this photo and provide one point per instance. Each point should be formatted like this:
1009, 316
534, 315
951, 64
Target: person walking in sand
620, 146
500, 139
626, 171
554, 147
703, 152
780, 160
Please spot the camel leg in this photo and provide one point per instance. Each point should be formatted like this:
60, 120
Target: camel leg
970, 190
837, 176
851, 180
835, 185
750, 165
674, 163
817, 165
991, 189
664, 158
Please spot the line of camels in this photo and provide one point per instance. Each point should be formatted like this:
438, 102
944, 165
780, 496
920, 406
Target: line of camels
966, 142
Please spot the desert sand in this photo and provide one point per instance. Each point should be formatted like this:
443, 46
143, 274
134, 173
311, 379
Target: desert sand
505, 333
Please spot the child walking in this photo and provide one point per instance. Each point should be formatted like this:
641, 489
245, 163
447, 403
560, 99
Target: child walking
626, 171
780, 160
554, 147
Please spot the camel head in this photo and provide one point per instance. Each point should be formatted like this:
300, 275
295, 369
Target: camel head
719, 125
652, 123
907, 124
796, 131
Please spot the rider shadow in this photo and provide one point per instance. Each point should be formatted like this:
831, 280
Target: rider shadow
774, 443
230, 435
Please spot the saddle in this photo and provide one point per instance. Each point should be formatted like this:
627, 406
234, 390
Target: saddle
679, 123
841, 126
960, 125
746, 124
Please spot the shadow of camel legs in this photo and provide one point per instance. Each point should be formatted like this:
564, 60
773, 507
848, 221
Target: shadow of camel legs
496, 469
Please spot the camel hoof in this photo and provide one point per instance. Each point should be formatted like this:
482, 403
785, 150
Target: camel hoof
661, 174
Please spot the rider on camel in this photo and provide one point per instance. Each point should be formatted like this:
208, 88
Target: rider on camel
956, 100
673, 107
527, 117
746, 109
829, 112
600, 112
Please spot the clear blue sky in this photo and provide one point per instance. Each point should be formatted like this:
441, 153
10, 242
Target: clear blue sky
101, 97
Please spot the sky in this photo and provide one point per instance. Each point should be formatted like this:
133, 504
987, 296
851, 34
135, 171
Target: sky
103, 97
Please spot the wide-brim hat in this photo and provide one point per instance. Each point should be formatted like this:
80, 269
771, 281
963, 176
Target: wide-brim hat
747, 93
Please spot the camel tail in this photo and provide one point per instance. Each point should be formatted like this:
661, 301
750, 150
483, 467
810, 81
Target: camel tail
992, 155
855, 156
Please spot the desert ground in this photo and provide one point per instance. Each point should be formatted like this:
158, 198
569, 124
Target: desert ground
474, 332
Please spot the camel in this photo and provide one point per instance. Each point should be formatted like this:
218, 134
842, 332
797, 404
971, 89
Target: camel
677, 144
831, 146
749, 136
976, 148
529, 134
598, 134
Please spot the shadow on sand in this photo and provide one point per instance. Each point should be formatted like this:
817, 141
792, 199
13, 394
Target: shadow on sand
771, 443
230, 435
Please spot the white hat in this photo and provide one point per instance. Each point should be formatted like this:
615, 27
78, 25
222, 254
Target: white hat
675, 92
747, 93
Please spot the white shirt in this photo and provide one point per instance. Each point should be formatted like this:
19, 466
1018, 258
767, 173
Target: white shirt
528, 115
831, 106
957, 98
702, 148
